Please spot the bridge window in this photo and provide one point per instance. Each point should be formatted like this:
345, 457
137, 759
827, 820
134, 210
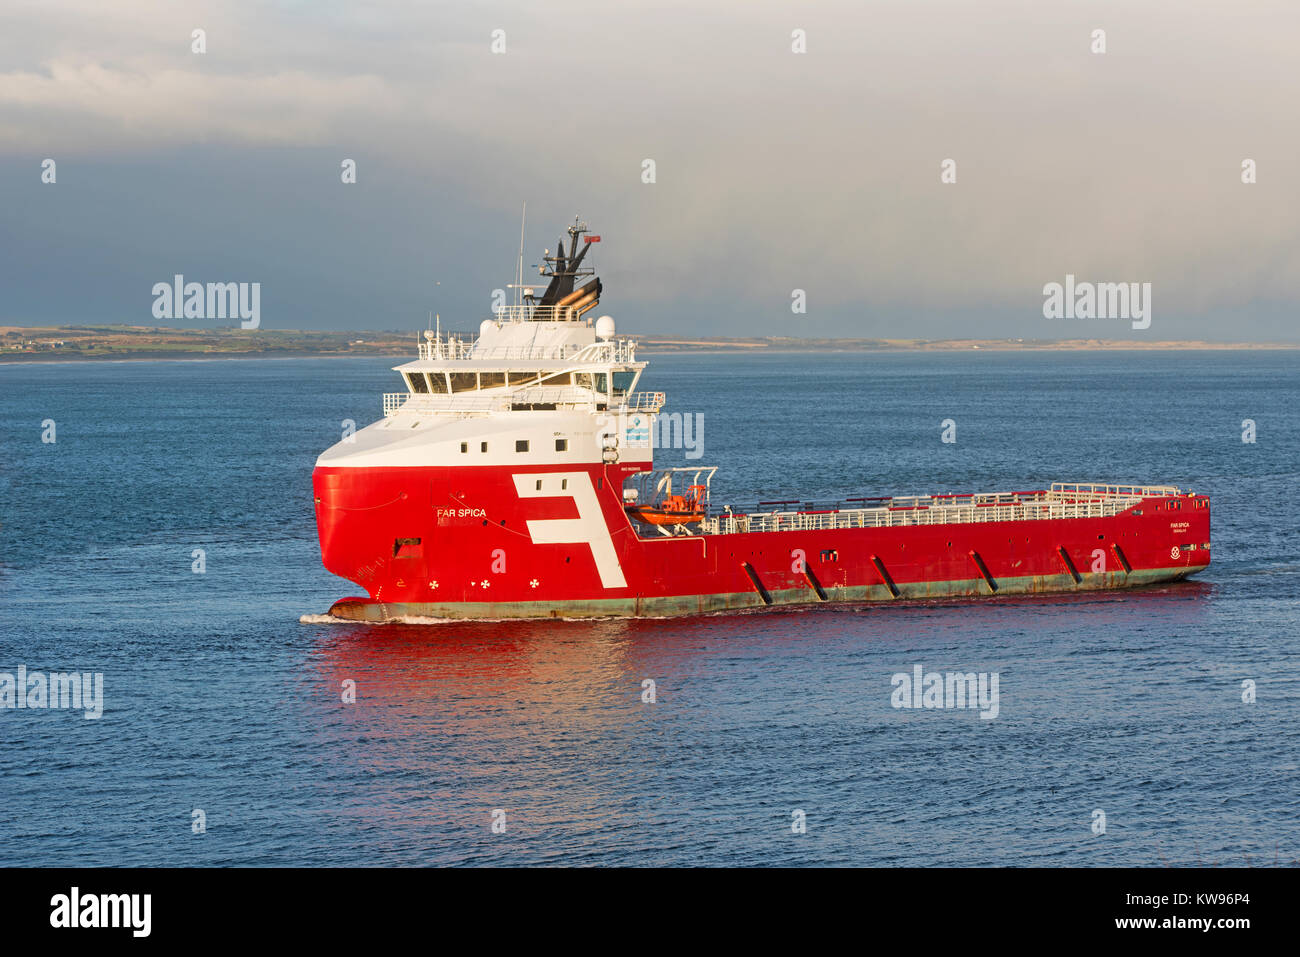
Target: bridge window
464, 381
490, 380
522, 378
416, 381
437, 383
556, 378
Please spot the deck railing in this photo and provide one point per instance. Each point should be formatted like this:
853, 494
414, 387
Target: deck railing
457, 348
535, 312
466, 402
567, 397
1076, 489
446, 347
643, 402
1062, 501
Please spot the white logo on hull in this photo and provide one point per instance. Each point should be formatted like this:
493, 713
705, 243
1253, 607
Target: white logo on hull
588, 528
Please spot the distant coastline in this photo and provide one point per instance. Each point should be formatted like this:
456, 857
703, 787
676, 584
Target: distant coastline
791, 344
19, 344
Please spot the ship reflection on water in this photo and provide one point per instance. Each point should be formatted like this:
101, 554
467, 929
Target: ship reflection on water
588, 657
552, 722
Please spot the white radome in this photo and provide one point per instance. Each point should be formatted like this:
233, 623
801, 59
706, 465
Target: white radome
485, 326
605, 327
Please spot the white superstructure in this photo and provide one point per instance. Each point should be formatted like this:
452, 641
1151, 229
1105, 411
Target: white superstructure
542, 383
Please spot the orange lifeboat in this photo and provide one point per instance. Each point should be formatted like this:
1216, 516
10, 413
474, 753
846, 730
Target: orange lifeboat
674, 510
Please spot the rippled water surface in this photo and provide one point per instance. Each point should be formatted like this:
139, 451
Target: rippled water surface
219, 698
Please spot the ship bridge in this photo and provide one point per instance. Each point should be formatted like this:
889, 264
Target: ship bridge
496, 373
542, 352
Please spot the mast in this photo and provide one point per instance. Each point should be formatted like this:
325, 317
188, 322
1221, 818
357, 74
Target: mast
564, 269
519, 267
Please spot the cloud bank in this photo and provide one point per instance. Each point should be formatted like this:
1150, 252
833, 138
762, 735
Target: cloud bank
775, 170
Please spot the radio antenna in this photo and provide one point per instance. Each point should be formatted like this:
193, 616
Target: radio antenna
519, 268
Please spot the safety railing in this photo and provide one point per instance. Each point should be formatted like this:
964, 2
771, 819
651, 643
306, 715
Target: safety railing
1063, 501
543, 397
456, 349
643, 402
1095, 489
446, 347
535, 312
406, 402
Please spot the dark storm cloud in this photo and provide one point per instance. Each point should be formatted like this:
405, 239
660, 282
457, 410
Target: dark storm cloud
775, 171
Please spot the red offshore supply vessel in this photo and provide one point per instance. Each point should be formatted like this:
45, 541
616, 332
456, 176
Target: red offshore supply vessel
514, 478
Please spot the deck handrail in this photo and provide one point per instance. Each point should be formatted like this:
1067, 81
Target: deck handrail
643, 402
1095, 488
1061, 501
570, 397
450, 347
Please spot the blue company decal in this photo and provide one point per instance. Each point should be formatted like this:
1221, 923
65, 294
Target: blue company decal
637, 433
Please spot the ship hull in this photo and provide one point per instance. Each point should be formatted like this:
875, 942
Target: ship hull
500, 542
673, 606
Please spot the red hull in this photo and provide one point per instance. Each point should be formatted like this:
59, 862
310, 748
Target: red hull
492, 542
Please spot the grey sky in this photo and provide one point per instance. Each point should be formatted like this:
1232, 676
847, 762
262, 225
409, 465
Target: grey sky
775, 170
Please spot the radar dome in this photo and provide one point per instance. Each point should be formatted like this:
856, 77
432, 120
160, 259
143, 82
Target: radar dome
605, 327
485, 325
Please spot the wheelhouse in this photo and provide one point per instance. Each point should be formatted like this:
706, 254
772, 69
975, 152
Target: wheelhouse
540, 353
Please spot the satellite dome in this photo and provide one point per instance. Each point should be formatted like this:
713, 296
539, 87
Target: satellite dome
605, 327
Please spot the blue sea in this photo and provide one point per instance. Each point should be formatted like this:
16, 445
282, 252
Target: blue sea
1154, 727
